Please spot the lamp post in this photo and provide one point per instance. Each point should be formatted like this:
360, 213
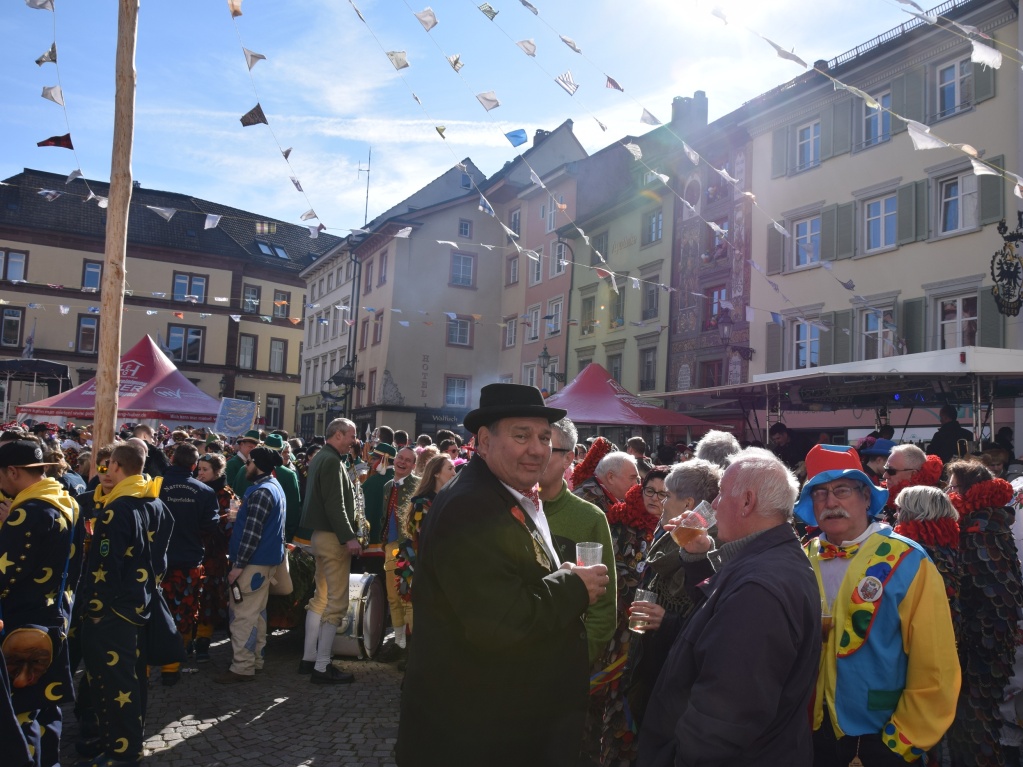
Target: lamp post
343, 382
544, 361
725, 323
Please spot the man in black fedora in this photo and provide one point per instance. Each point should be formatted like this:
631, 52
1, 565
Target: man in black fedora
498, 669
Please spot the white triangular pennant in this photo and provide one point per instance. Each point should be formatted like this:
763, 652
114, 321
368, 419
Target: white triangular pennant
427, 18
251, 57
54, 94
212, 220
165, 213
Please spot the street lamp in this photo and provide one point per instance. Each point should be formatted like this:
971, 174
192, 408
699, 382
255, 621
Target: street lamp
343, 382
544, 361
725, 323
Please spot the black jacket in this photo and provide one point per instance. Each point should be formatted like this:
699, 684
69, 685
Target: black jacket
736, 686
195, 510
945, 440
497, 674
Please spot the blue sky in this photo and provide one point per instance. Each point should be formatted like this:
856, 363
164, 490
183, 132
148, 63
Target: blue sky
330, 92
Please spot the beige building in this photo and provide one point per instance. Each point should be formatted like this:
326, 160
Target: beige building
224, 302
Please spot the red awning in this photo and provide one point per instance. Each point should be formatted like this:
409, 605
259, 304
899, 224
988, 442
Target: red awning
595, 397
151, 388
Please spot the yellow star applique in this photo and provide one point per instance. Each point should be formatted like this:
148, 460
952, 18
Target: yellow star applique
51, 598
61, 522
128, 552
150, 535
4, 563
124, 699
25, 718
100, 575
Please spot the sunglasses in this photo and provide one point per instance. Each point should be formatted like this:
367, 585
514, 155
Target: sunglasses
102, 468
562, 450
893, 472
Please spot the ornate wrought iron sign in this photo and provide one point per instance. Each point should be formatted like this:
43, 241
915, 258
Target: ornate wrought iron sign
1007, 270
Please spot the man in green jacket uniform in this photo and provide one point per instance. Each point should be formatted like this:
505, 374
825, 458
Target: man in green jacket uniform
288, 479
235, 469
329, 511
573, 520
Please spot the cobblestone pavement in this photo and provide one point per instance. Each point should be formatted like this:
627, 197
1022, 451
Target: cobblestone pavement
280, 720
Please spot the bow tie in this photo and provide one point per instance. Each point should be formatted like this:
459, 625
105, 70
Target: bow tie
828, 550
533, 494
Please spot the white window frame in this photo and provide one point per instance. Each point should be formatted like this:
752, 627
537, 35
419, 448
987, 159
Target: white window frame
616, 365
466, 257
555, 310
878, 332
278, 355
274, 410
648, 363
511, 332
246, 357
552, 213
957, 91
803, 237
529, 372
536, 267
806, 336
513, 270
93, 323
956, 332
653, 227
515, 221
533, 314
808, 143
186, 332
465, 228
877, 122
459, 386
558, 263
92, 269
966, 201
588, 317
456, 329
882, 212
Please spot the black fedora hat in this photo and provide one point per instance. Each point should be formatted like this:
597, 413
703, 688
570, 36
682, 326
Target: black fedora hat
505, 400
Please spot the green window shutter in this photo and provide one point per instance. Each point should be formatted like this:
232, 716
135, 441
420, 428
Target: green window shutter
841, 340
992, 323
983, 83
827, 339
992, 195
845, 230
912, 328
775, 250
923, 211
906, 202
827, 119
898, 88
773, 360
914, 96
779, 152
828, 226
841, 132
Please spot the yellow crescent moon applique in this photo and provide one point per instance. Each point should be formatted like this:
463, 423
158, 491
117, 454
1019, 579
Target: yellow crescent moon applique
114, 658
109, 517
47, 574
143, 575
95, 604
17, 517
121, 748
51, 693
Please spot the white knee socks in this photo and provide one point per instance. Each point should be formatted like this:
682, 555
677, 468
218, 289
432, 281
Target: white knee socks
324, 646
312, 634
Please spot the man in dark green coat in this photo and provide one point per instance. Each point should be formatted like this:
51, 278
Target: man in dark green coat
288, 478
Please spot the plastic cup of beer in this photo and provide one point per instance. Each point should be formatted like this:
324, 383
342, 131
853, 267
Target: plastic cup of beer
638, 625
695, 524
589, 553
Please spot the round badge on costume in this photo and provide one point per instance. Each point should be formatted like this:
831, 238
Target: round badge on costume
870, 589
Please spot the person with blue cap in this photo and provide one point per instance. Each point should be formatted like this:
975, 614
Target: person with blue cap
874, 453
889, 673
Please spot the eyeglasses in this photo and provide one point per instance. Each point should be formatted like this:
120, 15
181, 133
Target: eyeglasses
841, 492
649, 492
102, 468
562, 450
952, 489
893, 472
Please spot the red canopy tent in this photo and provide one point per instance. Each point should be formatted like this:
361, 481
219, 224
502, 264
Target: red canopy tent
151, 388
595, 397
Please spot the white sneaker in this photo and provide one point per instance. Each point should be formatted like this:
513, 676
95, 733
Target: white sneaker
399, 637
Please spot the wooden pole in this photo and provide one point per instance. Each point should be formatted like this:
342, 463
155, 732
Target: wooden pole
108, 368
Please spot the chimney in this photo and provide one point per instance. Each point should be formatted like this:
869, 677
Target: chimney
689, 114
540, 136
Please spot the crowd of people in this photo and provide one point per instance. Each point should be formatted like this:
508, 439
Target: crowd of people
849, 605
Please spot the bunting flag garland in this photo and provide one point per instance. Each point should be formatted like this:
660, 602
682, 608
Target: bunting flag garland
648, 118
357, 11
455, 60
634, 150
40, 5
403, 233
440, 130
427, 18
49, 194
602, 126
986, 55
570, 43
64, 142
694, 158
782, 53
750, 314
76, 173
565, 81
297, 183
982, 169
485, 207
921, 136
489, 100
489, 11
212, 219
93, 310
613, 84
165, 213
528, 47
398, 58
286, 153
49, 56
314, 231
251, 57
235, 317
236, 8
179, 315
254, 116
777, 319
517, 137
308, 215
530, 7
911, 4
724, 174
536, 179
780, 229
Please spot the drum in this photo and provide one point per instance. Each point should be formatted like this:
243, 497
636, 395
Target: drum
361, 632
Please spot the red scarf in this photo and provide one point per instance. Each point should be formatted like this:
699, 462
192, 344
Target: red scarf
931, 532
632, 513
989, 494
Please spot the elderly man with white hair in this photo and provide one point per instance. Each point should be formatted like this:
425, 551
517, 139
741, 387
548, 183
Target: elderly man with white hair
614, 475
717, 447
737, 683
